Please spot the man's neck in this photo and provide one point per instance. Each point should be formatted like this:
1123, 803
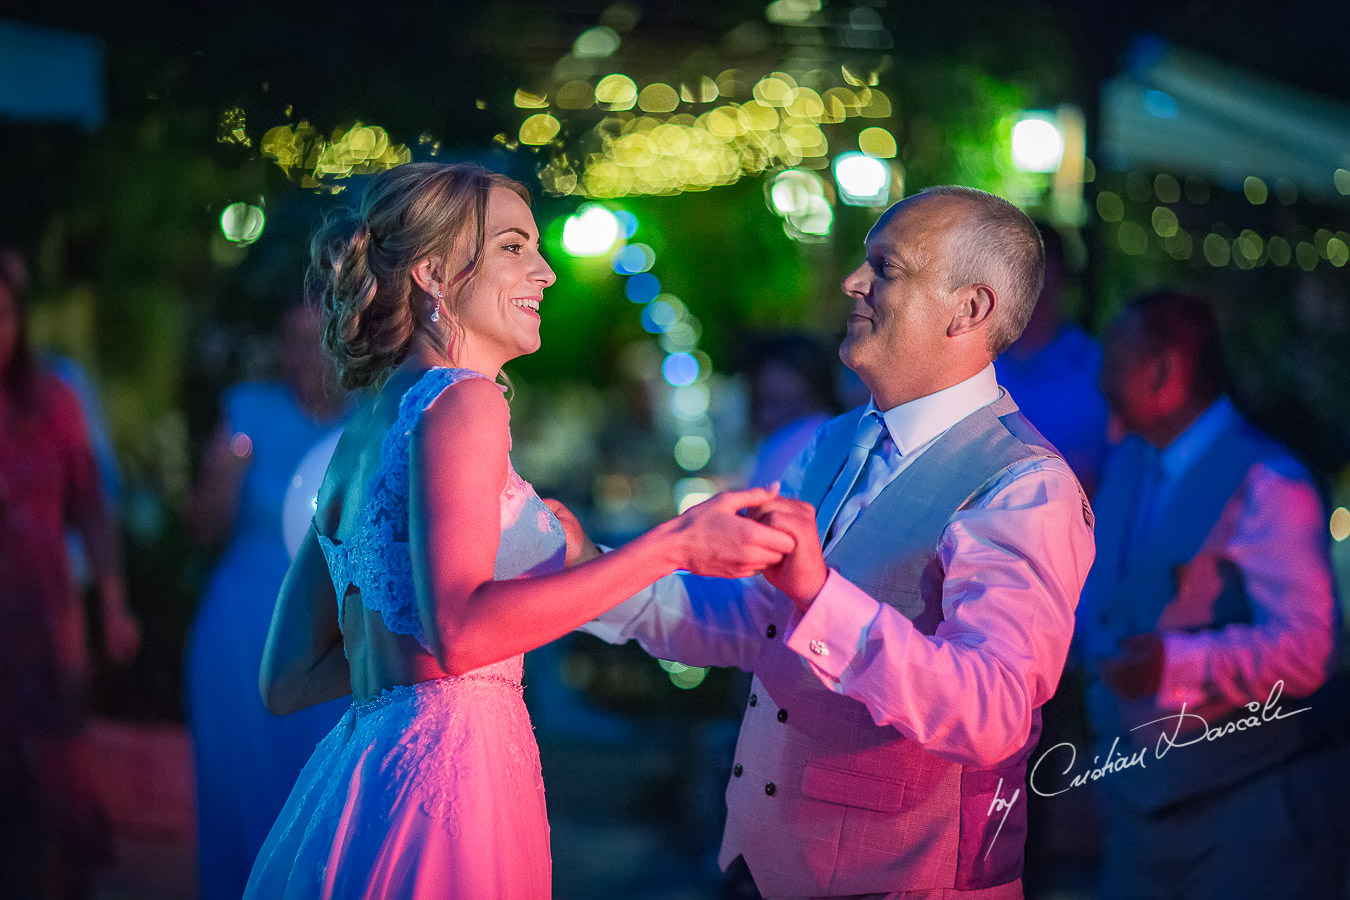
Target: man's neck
1166, 430
889, 396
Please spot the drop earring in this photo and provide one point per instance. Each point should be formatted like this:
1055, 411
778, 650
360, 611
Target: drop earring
436, 310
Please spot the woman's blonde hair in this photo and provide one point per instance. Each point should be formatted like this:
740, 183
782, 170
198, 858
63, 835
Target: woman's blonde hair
361, 263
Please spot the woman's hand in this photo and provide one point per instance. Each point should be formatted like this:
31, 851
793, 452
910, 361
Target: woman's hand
121, 631
715, 539
580, 548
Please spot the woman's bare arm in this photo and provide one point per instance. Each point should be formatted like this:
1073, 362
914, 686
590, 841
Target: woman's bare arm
303, 663
458, 469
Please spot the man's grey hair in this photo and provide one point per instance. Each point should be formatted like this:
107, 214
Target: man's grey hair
999, 246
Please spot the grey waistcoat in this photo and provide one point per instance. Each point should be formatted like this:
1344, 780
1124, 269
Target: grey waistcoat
822, 801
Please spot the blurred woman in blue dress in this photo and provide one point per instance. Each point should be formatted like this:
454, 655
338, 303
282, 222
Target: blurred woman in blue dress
246, 758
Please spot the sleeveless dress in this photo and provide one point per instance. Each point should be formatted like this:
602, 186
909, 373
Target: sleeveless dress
431, 789
246, 758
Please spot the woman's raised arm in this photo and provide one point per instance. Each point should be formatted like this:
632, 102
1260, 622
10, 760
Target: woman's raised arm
458, 469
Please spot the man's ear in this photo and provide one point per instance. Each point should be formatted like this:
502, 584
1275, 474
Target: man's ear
974, 311
1171, 377
427, 275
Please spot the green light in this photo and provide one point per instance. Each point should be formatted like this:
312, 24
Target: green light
242, 223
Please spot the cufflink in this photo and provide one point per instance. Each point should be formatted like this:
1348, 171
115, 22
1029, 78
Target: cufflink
819, 648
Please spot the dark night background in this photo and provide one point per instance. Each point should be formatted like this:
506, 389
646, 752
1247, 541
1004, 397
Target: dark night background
131, 276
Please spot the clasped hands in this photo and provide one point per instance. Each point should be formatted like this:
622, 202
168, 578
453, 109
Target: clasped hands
734, 534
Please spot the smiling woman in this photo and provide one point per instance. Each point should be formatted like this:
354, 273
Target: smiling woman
431, 566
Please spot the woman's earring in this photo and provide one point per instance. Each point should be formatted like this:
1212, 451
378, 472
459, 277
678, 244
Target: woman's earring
436, 310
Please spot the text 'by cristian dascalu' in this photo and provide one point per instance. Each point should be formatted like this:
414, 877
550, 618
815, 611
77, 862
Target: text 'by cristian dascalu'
1260, 714
1197, 730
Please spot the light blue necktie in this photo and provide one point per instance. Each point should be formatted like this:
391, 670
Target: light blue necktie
869, 434
1145, 499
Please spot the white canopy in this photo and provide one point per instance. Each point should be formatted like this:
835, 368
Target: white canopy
1177, 112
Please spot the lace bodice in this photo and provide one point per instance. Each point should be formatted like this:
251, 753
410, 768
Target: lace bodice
376, 557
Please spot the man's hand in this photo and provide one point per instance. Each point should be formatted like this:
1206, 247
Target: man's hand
1136, 671
801, 574
580, 548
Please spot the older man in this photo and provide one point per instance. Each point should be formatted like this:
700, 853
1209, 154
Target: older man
902, 650
1210, 611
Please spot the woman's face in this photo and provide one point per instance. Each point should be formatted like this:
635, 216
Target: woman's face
9, 325
499, 306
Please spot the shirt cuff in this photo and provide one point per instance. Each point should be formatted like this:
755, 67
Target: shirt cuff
831, 633
1184, 671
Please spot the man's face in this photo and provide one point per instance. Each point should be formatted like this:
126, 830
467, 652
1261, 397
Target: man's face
1128, 377
902, 304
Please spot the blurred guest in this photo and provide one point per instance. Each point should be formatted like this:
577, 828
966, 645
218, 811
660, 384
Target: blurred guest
1052, 371
52, 829
77, 379
1211, 604
792, 378
246, 758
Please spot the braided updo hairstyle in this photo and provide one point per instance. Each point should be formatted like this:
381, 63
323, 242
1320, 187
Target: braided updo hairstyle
361, 263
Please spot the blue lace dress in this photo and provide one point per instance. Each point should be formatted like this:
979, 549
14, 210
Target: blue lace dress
431, 789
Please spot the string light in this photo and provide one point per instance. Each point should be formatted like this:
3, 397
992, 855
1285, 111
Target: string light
704, 132
1217, 245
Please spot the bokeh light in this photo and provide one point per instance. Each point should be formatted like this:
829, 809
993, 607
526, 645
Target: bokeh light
1110, 206
627, 221
1160, 104
683, 676
658, 315
791, 12
1037, 143
242, 223
680, 369
877, 142
1218, 252
1164, 221
596, 43
705, 131
863, 180
689, 402
693, 452
642, 287
316, 160
693, 491
1340, 524
634, 258
529, 100
1255, 190
616, 92
539, 129
591, 231
658, 98
790, 192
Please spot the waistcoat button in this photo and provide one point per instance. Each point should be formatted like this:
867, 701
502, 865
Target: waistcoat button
769, 788
754, 699
737, 770
771, 631
782, 715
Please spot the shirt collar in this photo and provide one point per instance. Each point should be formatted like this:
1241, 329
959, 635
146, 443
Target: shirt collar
1197, 437
912, 425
